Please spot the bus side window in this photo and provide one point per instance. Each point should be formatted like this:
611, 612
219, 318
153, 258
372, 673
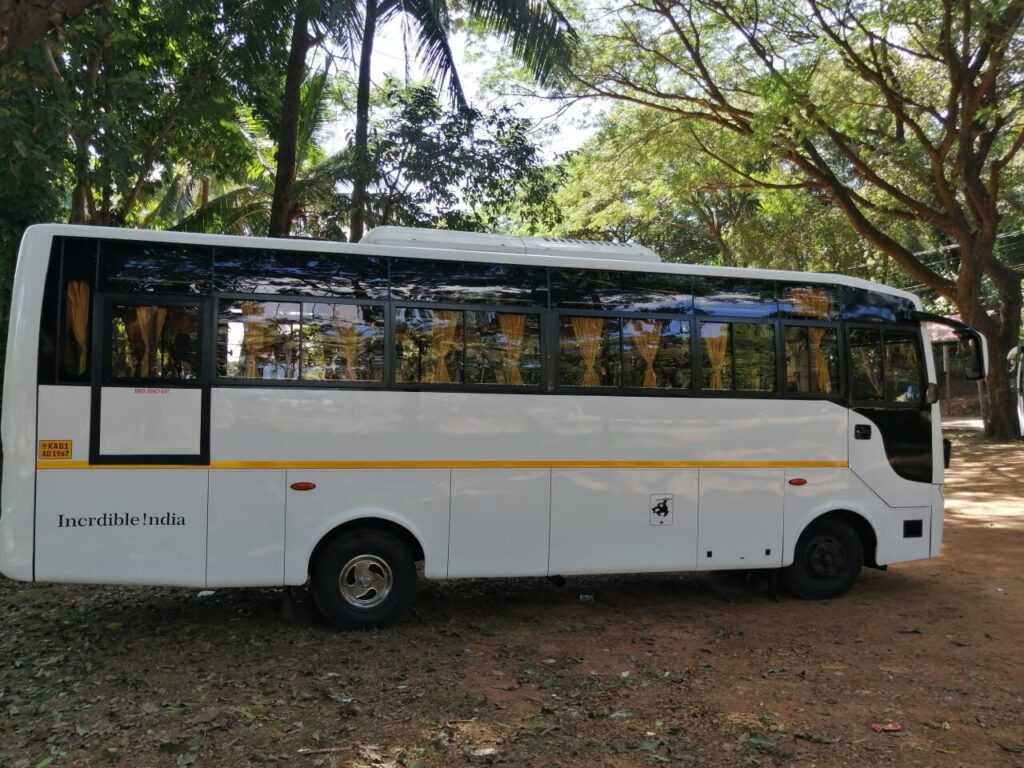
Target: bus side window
812, 359
902, 367
154, 342
78, 274
588, 352
738, 356
866, 364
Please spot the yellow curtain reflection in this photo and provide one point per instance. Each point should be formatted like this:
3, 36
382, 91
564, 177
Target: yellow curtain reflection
648, 335
254, 338
444, 335
349, 342
78, 320
717, 346
151, 324
513, 329
822, 376
589, 332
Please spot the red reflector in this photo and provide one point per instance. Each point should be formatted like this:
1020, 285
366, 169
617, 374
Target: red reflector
303, 486
794, 481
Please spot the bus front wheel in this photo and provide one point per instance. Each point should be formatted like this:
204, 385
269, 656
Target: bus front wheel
827, 560
363, 579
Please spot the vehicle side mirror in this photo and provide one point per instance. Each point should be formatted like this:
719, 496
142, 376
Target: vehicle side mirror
931, 393
973, 357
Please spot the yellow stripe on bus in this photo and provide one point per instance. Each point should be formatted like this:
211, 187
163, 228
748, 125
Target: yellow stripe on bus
579, 464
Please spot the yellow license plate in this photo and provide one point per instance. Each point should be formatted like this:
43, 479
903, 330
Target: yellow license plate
54, 449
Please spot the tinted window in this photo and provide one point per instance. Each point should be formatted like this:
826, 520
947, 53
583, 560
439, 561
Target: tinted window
817, 302
738, 356
902, 366
259, 340
812, 360
502, 348
734, 298
132, 267
428, 346
342, 342
656, 353
866, 364
258, 270
860, 304
64, 334
620, 291
467, 283
588, 352
154, 342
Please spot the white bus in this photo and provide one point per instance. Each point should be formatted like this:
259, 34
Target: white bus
213, 411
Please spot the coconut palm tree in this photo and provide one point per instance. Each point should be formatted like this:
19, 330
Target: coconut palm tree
536, 32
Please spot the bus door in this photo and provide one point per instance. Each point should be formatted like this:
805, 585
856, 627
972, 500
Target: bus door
891, 433
148, 401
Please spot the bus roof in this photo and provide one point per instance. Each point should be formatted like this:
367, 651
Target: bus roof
449, 253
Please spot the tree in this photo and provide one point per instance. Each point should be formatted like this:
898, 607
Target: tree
460, 169
22, 22
463, 169
903, 113
536, 31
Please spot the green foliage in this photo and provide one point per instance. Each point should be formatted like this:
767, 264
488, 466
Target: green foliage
462, 169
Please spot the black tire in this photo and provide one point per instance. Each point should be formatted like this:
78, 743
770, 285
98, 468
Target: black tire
827, 560
363, 579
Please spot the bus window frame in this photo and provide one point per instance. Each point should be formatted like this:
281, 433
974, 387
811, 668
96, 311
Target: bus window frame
915, 330
390, 358
102, 316
839, 396
745, 394
300, 299
555, 324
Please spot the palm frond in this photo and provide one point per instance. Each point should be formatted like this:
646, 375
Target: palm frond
431, 20
540, 35
314, 111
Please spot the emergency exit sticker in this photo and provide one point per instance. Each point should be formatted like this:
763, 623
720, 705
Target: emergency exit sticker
54, 449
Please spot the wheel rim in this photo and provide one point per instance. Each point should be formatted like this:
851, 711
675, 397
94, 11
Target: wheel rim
827, 556
365, 581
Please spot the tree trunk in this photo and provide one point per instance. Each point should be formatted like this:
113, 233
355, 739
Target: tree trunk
361, 177
288, 135
1001, 335
22, 22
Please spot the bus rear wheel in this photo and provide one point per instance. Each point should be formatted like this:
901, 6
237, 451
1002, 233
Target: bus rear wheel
828, 558
363, 579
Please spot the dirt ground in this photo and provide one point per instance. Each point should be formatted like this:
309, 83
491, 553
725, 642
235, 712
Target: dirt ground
625, 671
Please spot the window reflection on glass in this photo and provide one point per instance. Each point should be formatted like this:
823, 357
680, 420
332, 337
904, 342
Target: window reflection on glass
428, 345
902, 367
754, 351
127, 266
502, 348
716, 371
819, 302
812, 360
154, 342
259, 340
865, 364
738, 356
589, 352
656, 353
738, 298
342, 342
467, 282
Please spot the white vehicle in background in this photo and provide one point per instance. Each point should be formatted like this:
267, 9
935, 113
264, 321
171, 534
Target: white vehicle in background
212, 411
1015, 360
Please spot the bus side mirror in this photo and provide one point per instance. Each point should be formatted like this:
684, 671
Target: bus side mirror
973, 356
931, 393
